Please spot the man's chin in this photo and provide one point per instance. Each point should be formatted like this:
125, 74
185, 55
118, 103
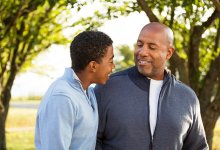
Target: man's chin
145, 72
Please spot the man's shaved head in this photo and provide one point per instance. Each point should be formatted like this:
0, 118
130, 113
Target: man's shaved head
159, 27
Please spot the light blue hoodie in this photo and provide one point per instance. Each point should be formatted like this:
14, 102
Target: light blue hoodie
67, 117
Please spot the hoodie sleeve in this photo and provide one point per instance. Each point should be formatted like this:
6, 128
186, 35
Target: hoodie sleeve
101, 126
196, 138
55, 124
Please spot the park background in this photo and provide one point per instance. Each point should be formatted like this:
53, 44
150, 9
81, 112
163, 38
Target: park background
34, 43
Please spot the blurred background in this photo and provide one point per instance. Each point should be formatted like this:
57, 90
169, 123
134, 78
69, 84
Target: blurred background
34, 50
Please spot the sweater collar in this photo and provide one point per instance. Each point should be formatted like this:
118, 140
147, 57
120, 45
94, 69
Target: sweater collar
140, 80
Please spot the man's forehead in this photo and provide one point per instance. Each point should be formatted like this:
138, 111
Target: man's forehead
154, 28
152, 32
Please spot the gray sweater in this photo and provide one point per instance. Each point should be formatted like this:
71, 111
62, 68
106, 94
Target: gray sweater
123, 105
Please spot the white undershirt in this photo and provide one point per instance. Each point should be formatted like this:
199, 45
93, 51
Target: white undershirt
155, 87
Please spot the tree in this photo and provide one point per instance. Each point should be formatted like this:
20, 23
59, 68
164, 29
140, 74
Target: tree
196, 25
127, 58
27, 27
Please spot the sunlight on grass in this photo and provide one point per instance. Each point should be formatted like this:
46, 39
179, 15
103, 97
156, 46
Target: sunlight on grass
20, 140
20, 126
21, 117
216, 138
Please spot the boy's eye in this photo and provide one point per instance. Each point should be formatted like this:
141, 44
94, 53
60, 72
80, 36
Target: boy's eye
111, 61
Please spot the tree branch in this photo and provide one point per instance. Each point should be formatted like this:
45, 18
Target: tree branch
215, 14
11, 20
193, 56
173, 7
178, 63
212, 75
217, 98
4, 66
217, 4
143, 4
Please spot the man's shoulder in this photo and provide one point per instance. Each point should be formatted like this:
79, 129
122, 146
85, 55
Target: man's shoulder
122, 73
183, 88
116, 79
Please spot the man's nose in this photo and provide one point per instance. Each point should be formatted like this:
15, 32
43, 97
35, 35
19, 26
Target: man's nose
143, 51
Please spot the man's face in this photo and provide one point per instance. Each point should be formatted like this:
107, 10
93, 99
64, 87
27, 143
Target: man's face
104, 68
152, 51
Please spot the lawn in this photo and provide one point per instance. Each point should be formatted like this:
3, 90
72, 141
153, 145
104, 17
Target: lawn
20, 130
216, 138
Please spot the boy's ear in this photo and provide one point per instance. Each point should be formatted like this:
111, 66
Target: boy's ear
92, 66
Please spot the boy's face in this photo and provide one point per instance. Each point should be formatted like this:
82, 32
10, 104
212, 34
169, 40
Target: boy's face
104, 68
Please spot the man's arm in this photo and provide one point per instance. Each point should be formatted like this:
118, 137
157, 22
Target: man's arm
196, 138
99, 140
101, 125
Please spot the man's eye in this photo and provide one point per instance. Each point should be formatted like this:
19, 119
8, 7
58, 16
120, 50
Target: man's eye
139, 45
152, 47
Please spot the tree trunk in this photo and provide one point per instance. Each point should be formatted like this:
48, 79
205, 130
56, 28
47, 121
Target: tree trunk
2, 131
210, 117
6, 95
5, 98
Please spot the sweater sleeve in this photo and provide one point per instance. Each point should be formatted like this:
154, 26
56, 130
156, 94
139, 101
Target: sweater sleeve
55, 124
196, 138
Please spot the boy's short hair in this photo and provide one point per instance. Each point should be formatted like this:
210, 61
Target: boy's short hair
88, 46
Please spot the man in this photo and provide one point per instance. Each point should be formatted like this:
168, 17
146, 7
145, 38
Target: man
67, 117
145, 107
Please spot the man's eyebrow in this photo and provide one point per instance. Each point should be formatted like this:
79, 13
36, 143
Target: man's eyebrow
139, 40
151, 43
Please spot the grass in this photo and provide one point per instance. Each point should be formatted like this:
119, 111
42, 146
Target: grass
21, 118
20, 129
20, 140
27, 98
21, 123
216, 138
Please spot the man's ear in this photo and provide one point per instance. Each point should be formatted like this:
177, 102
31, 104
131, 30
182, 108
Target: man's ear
170, 52
92, 66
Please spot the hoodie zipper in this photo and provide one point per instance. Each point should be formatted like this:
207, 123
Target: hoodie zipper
87, 96
151, 136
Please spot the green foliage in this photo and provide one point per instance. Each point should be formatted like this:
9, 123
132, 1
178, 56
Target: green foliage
188, 14
26, 29
207, 54
127, 58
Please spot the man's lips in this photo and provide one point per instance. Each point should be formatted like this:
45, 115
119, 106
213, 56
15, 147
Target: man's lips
144, 62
